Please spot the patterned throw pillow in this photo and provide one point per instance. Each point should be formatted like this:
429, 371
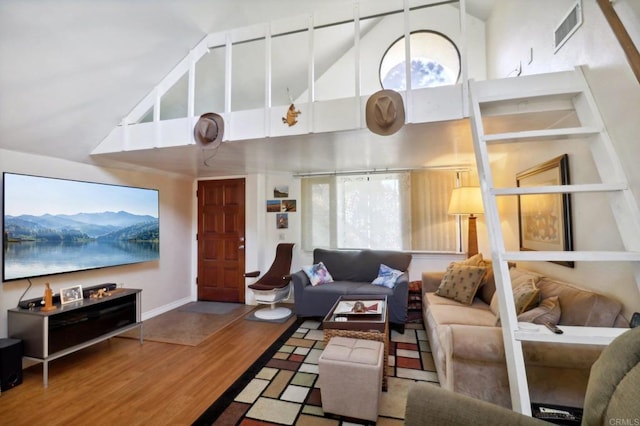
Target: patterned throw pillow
518, 278
487, 286
318, 274
526, 296
387, 276
475, 260
547, 311
460, 282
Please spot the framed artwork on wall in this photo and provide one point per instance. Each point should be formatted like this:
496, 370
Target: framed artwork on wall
273, 206
289, 206
545, 219
282, 221
281, 191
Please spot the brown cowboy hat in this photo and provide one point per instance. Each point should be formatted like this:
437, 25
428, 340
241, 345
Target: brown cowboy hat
209, 129
385, 112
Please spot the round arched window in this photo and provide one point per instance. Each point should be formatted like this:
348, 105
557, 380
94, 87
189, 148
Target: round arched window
435, 61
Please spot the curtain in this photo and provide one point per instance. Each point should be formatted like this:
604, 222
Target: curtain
373, 211
432, 228
393, 211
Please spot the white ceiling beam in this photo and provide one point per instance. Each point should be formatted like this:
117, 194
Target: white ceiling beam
268, 71
227, 74
356, 58
311, 75
462, 43
407, 59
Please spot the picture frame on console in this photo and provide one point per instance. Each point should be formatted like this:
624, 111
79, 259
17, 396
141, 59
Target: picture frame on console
71, 294
544, 220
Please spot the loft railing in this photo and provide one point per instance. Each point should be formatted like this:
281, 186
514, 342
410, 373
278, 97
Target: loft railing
230, 81
251, 75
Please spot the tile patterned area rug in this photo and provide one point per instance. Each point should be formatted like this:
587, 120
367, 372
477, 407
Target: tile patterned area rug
281, 389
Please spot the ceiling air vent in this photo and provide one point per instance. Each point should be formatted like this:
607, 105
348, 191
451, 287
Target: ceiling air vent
568, 26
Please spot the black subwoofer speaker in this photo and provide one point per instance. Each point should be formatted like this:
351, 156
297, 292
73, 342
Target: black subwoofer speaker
10, 363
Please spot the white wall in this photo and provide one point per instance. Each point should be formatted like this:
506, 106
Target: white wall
165, 284
263, 236
516, 27
262, 241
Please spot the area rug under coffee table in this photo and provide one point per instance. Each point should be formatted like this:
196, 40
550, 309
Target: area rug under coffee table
282, 389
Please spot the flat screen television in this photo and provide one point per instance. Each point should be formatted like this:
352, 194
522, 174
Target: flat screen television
53, 226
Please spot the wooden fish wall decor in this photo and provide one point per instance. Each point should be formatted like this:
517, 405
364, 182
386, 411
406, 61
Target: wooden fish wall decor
292, 116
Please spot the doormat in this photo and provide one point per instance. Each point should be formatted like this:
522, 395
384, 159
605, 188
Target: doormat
186, 328
217, 308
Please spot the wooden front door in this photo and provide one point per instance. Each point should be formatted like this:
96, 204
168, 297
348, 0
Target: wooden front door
221, 208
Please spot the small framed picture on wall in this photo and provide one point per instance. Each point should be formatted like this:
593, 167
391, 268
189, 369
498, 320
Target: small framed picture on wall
288, 205
281, 191
273, 206
282, 221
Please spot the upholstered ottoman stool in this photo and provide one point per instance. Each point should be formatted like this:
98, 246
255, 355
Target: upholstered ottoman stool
350, 377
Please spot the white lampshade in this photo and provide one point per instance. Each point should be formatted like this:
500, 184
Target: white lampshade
466, 200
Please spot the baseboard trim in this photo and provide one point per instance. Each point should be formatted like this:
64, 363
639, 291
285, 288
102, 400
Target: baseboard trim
165, 308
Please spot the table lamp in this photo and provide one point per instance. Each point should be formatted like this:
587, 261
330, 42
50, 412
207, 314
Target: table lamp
467, 200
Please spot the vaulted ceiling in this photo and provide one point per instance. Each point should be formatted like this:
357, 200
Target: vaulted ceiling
70, 70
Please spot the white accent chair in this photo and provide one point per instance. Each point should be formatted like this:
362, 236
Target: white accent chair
275, 285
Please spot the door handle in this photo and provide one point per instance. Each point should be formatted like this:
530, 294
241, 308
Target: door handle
241, 247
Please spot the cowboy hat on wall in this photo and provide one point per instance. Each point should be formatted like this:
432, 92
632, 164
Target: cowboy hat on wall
209, 130
385, 112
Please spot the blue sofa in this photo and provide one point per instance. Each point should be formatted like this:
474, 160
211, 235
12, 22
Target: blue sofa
353, 272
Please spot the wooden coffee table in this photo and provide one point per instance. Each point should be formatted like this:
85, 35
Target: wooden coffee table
372, 324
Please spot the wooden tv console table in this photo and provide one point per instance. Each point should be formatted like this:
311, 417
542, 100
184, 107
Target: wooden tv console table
48, 335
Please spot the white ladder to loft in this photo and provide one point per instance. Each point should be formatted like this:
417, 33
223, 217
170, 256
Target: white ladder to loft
536, 93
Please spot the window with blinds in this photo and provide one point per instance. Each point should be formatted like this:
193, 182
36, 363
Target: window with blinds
391, 211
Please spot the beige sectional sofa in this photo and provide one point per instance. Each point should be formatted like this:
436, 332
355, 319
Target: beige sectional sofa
468, 350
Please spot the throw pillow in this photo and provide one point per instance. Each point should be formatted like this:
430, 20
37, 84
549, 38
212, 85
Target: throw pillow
547, 311
478, 260
461, 282
318, 274
518, 277
475, 260
487, 286
387, 276
526, 296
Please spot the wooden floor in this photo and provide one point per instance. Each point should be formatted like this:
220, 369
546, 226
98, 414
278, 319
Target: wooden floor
119, 381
